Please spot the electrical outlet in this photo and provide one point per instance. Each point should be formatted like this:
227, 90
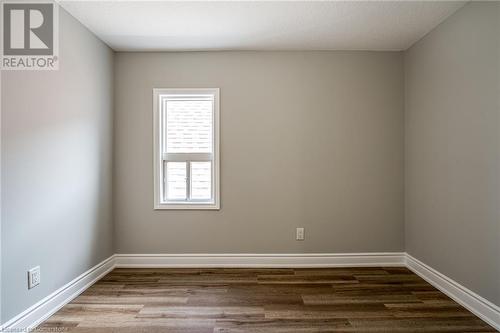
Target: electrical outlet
300, 234
34, 277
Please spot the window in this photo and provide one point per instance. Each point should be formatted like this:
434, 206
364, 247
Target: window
186, 148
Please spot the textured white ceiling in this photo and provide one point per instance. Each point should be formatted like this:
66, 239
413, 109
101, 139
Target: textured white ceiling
263, 25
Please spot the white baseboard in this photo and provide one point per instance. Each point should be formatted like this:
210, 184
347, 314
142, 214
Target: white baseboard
476, 304
260, 260
37, 313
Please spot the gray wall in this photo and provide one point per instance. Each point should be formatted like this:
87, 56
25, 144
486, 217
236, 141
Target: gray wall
56, 168
453, 150
311, 139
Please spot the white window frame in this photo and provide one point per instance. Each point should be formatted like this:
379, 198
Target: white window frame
160, 158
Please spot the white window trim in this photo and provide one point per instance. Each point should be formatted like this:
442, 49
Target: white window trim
158, 158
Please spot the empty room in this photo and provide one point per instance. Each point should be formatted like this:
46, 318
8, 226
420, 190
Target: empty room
250, 166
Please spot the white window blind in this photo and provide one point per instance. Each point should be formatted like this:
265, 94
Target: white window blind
189, 126
186, 148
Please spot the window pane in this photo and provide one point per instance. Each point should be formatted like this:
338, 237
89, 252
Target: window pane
189, 126
201, 184
176, 180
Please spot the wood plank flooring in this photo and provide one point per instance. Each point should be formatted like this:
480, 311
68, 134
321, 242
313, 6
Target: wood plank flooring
263, 300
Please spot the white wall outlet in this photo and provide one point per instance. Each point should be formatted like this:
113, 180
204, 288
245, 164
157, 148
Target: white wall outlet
34, 277
300, 234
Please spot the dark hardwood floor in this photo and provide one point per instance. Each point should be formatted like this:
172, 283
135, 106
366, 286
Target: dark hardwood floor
263, 300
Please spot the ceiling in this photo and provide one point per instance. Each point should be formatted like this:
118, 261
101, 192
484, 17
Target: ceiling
261, 25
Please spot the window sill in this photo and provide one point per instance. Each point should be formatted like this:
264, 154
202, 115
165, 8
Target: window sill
186, 206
